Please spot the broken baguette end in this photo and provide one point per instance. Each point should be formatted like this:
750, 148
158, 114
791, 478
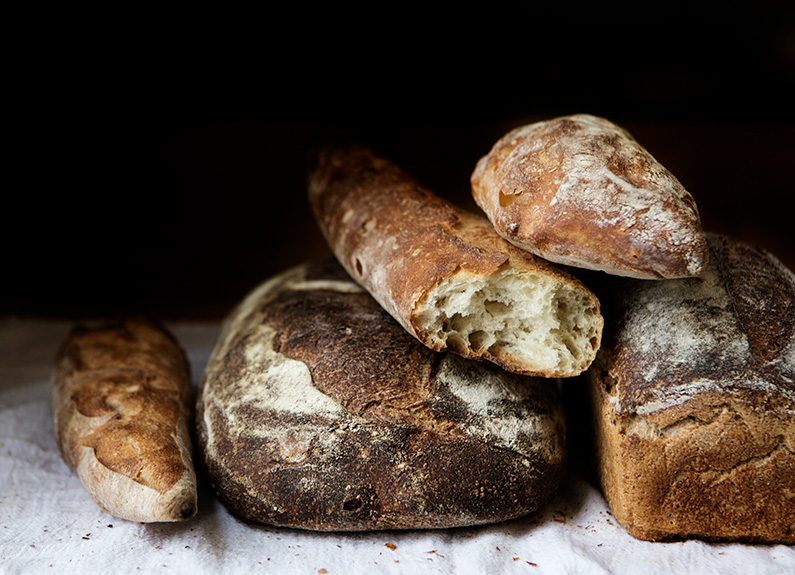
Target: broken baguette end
526, 323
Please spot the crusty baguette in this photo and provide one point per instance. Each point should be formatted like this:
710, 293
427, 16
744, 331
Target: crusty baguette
694, 401
581, 191
121, 403
317, 410
446, 275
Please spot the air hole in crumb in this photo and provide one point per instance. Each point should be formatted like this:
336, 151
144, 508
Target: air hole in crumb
477, 339
456, 342
496, 308
359, 268
352, 505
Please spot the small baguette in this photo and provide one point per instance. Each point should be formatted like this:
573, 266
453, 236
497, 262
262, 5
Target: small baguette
581, 191
120, 399
444, 273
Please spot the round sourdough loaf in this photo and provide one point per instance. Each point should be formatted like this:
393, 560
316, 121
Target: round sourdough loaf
318, 411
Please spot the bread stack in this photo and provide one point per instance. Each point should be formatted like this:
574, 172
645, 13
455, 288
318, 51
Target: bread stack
412, 381
693, 389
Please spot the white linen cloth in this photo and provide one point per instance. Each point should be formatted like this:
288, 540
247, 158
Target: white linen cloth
49, 524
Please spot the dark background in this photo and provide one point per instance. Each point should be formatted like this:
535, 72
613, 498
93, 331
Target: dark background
171, 183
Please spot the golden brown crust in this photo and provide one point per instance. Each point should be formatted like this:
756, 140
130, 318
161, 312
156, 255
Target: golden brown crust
722, 472
121, 400
580, 191
390, 233
399, 240
694, 403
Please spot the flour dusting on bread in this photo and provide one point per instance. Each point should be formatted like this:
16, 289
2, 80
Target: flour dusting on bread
581, 191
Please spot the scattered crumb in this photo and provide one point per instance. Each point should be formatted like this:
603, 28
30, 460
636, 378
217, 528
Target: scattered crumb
391, 546
321, 571
533, 564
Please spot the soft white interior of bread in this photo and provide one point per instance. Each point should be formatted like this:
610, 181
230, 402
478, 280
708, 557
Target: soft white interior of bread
536, 321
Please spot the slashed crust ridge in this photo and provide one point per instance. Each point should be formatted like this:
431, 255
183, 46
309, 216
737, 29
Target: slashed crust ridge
121, 402
695, 419
446, 275
318, 411
581, 191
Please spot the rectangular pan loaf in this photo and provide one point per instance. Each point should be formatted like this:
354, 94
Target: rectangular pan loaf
694, 401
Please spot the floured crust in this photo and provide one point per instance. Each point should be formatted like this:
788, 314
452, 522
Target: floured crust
695, 418
318, 411
580, 191
120, 398
415, 252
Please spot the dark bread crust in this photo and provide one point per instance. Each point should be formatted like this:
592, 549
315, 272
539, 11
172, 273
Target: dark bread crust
695, 420
121, 403
318, 411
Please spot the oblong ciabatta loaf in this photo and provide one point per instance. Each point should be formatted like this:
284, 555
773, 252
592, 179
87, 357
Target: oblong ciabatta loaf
694, 396
318, 411
581, 191
121, 402
446, 275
